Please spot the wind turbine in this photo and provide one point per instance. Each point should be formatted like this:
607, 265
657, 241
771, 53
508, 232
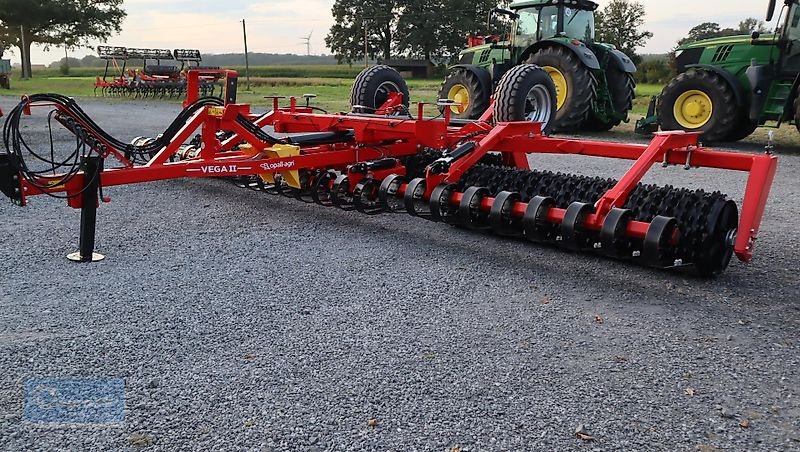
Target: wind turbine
307, 41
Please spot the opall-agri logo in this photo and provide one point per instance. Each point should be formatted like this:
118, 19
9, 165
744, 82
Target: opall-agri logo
74, 400
282, 165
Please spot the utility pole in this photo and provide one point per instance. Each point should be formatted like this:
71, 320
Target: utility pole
246, 57
66, 56
366, 43
22, 52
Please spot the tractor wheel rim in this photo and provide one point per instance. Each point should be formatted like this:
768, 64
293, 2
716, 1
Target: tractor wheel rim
562, 89
459, 93
538, 105
382, 93
693, 109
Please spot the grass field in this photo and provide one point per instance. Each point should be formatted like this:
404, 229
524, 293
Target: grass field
333, 92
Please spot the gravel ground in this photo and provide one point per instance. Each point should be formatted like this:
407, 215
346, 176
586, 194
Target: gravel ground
241, 321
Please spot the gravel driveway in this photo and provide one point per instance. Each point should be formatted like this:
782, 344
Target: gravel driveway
242, 321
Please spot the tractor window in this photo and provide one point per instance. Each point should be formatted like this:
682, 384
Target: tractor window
548, 22
528, 22
579, 24
794, 24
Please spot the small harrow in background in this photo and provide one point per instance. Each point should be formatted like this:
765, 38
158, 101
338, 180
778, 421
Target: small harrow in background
152, 80
384, 156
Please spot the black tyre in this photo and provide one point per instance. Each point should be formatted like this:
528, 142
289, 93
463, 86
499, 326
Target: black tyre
744, 127
797, 112
698, 101
464, 87
526, 93
575, 88
622, 89
372, 86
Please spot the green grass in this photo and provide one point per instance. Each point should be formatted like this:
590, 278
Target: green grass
333, 94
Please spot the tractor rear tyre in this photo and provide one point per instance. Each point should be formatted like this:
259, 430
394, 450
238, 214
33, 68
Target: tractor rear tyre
372, 87
622, 89
575, 90
797, 112
699, 101
743, 129
526, 93
464, 87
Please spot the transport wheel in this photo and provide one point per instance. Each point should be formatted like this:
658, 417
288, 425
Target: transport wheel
526, 93
744, 127
463, 86
622, 89
574, 85
372, 86
698, 101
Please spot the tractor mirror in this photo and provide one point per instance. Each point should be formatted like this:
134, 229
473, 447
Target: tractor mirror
770, 10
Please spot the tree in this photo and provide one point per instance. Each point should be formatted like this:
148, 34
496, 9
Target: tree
57, 22
620, 23
352, 18
437, 29
752, 24
710, 30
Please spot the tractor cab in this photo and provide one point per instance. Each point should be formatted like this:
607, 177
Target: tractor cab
545, 19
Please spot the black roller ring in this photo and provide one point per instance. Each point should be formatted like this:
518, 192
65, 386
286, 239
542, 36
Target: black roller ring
469, 210
658, 249
321, 190
441, 209
340, 195
365, 197
413, 197
613, 241
501, 220
536, 228
573, 234
387, 193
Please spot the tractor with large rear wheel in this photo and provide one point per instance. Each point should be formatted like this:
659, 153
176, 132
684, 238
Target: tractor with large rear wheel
594, 81
729, 86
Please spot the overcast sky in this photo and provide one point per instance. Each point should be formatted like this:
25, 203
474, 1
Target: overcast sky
276, 26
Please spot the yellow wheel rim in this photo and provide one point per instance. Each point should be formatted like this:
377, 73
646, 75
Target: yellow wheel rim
460, 94
693, 109
562, 90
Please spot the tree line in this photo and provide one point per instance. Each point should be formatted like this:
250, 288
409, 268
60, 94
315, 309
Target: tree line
429, 29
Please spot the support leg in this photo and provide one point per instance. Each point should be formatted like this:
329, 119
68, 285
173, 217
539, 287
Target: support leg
92, 167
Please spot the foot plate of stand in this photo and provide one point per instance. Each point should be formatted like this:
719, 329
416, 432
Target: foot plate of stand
76, 257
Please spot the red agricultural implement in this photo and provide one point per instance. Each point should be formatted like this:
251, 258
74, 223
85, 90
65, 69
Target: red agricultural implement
383, 157
151, 80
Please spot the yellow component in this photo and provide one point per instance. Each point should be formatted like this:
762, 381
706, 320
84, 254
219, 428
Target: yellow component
216, 111
460, 94
248, 150
693, 109
292, 177
562, 89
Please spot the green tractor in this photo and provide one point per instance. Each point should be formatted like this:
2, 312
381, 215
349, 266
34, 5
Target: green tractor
728, 86
594, 81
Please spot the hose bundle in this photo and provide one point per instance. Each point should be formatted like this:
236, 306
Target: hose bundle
89, 137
